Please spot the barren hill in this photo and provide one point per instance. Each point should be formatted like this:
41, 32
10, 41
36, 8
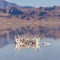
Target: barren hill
28, 21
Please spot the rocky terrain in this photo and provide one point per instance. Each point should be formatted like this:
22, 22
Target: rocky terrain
28, 21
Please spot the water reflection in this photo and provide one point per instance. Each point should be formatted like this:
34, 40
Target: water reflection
51, 52
29, 43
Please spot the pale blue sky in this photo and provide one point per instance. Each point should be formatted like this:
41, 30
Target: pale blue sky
36, 3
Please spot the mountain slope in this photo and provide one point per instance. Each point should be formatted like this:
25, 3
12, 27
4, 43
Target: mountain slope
28, 21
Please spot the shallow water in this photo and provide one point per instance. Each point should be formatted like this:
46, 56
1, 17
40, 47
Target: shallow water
51, 52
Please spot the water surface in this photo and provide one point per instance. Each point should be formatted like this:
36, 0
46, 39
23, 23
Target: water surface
51, 52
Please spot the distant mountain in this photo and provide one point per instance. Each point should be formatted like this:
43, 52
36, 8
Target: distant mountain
28, 12
1, 3
28, 20
4, 4
35, 13
27, 7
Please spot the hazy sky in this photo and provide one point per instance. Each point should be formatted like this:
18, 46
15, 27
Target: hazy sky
36, 3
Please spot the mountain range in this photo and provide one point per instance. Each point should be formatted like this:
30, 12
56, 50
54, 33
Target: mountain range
28, 21
28, 12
